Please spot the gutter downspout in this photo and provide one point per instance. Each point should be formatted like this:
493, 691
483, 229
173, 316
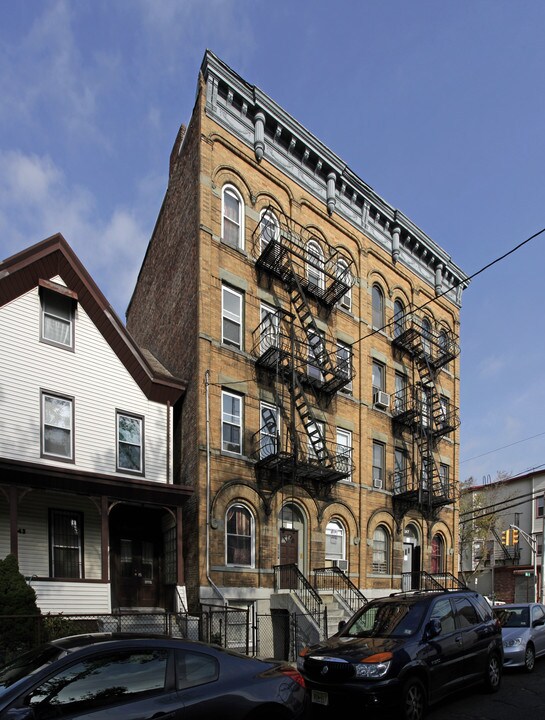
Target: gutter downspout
210, 581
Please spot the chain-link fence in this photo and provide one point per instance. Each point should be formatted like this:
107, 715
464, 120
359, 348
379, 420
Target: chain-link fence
279, 634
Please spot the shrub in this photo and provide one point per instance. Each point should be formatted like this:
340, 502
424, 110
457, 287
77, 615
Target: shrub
16, 598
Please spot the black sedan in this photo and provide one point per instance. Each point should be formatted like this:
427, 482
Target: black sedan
107, 676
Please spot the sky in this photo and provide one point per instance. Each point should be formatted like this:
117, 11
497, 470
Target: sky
439, 106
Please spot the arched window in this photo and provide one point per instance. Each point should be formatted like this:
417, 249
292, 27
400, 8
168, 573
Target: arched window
239, 536
443, 343
426, 336
232, 217
315, 264
381, 550
437, 554
344, 276
377, 307
335, 542
269, 228
399, 318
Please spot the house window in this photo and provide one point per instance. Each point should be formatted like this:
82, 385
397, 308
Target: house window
378, 374
344, 452
443, 343
269, 228
400, 470
66, 544
539, 506
344, 276
232, 229
316, 440
268, 440
444, 418
269, 328
437, 554
315, 264
130, 444
444, 479
377, 301
335, 541
539, 543
426, 336
231, 432
399, 318
316, 353
231, 317
239, 536
400, 397
381, 551
378, 464
344, 364
57, 319
57, 426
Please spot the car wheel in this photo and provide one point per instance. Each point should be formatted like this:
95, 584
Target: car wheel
529, 658
413, 700
492, 678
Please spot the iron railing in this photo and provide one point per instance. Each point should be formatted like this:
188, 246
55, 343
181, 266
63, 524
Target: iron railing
333, 579
289, 577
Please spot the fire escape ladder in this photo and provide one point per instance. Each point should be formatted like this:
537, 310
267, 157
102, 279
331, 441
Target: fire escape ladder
312, 425
317, 350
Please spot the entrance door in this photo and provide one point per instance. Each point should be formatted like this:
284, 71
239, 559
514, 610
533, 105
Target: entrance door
289, 554
136, 550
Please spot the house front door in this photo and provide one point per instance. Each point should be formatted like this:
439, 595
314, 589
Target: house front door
289, 552
136, 550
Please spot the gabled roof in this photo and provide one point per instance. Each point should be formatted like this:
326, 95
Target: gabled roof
54, 257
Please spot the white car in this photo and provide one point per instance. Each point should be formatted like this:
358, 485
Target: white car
523, 633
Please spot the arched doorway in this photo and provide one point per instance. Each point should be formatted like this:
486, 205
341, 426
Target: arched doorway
437, 554
291, 536
411, 558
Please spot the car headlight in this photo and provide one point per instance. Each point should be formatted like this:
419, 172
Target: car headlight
512, 643
375, 666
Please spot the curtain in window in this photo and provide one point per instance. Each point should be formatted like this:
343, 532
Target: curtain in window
239, 536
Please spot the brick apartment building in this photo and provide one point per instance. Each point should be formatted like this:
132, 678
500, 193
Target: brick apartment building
317, 329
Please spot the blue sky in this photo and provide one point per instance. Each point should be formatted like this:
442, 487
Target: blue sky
439, 106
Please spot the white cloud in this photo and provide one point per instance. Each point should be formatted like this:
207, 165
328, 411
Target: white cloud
36, 202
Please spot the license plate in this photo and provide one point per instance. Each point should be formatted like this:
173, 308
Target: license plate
319, 697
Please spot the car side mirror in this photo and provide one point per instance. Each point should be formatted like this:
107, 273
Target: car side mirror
538, 623
341, 625
433, 629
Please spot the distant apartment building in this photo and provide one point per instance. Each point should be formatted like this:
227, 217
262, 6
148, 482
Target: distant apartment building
317, 329
505, 561
89, 502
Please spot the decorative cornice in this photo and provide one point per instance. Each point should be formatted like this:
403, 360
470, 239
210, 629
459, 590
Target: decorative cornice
259, 122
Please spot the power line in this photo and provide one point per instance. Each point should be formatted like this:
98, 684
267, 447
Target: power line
489, 452
456, 284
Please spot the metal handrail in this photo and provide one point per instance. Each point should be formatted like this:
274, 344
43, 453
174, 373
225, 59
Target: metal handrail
333, 579
289, 577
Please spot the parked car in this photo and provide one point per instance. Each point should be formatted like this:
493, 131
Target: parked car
523, 633
404, 652
107, 676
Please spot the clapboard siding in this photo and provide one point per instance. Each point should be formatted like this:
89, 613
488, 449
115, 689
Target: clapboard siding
72, 598
93, 375
33, 518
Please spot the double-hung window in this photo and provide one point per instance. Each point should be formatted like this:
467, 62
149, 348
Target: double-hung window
379, 454
344, 364
57, 426
130, 443
344, 452
66, 544
315, 264
231, 423
239, 536
344, 276
377, 310
231, 314
269, 228
380, 550
57, 318
232, 230
268, 441
269, 329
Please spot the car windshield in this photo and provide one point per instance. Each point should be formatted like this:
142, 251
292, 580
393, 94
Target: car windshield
391, 619
27, 663
513, 617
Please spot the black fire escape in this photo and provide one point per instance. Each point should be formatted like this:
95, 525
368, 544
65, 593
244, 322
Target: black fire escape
423, 416
303, 366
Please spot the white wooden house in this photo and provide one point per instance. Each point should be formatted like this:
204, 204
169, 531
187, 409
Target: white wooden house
90, 498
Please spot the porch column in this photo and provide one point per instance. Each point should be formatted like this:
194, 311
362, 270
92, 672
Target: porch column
13, 522
180, 573
104, 538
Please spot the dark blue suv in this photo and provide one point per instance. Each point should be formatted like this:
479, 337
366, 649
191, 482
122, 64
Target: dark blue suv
404, 652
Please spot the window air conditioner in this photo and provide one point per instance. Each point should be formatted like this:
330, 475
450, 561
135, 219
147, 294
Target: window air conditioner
381, 400
377, 483
341, 564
